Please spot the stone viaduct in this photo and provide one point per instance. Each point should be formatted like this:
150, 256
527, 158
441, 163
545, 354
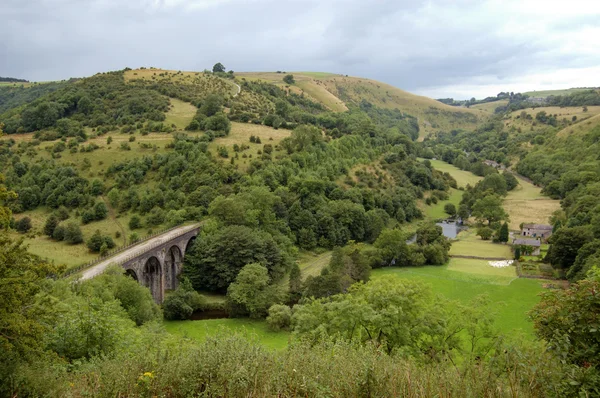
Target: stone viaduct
155, 263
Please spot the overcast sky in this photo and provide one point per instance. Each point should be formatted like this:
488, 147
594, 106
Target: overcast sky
438, 48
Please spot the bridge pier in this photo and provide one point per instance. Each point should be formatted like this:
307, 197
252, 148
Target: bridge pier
160, 266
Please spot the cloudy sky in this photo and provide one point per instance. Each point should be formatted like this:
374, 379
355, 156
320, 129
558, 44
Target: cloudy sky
438, 48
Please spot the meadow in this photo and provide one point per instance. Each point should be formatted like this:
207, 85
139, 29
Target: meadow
465, 279
469, 244
526, 204
436, 211
547, 93
250, 328
462, 177
490, 106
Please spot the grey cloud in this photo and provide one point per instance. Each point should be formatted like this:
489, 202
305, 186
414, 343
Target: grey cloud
412, 45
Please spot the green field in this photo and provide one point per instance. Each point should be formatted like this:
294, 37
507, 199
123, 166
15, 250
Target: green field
437, 212
254, 329
311, 264
512, 297
526, 204
469, 244
462, 177
546, 93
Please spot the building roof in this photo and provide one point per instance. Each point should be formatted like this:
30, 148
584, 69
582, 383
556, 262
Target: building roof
527, 242
538, 226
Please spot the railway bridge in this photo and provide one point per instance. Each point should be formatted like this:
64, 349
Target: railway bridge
155, 263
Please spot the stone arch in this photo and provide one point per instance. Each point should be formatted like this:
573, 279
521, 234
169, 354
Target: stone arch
189, 244
173, 262
152, 278
132, 274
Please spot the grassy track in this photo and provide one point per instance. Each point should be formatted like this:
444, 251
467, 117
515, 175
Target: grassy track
253, 329
311, 264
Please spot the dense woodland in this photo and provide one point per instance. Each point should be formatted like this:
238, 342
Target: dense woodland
312, 191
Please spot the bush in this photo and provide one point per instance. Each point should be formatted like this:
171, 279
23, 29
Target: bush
97, 242
59, 233
450, 209
73, 233
289, 79
135, 222
485, 233
280, 317
181, 303
23, 225
50, 225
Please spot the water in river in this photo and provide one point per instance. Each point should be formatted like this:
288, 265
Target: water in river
449, 228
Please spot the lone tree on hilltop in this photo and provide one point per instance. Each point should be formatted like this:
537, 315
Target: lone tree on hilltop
219, 67
289, 79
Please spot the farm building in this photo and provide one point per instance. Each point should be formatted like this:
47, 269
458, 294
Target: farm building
534, 244
494, 164
541, 231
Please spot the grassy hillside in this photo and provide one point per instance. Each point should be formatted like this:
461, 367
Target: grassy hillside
547, 93
564, 117
490, 106
338, 91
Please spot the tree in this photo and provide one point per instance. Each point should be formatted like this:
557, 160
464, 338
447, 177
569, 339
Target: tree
568, 321
252, 294
280, 317
289, 79
135, 222
503, 233
72, 233
23, 225
565, 244
510, 179
181, 303
450, 209
23, 325
218, 68
463, 212
100, 211
50, 225
392, 246
295, 283
215, 260
517, 253
485, 233
211, 106
489, 209
97, 241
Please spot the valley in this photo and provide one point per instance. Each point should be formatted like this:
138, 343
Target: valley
318, 201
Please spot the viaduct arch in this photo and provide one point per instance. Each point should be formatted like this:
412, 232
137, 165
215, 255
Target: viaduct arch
158, 267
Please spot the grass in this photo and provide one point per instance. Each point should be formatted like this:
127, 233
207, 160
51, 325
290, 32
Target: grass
546, 93
462, 177
437, 212
240, 134
463, 281
526, 203
254, 329
469, 244
490, 106
337, 91
311, 264
180, 113
320, 94
567, 113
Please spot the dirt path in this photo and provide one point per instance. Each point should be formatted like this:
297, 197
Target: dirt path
239, 89
99, 268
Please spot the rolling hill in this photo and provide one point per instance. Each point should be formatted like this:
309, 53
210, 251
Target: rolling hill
338, 92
